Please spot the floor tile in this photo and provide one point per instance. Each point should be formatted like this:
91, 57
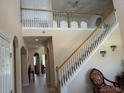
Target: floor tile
39, 86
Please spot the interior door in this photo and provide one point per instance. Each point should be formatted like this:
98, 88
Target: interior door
5, 71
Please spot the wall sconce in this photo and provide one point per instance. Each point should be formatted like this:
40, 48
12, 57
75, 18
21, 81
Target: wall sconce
103, 53
113, 47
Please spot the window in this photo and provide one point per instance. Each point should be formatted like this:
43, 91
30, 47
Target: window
34, 60
43, 58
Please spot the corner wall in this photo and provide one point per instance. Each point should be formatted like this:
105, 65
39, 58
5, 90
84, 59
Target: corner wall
10, 27
119, 6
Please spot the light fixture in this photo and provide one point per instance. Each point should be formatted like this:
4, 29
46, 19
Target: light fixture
37, 46
113, 47
36, 39
103, 53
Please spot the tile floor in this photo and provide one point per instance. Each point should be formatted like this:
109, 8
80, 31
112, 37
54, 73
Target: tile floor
39, 86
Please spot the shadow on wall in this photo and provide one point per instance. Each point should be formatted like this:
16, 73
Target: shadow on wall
89, 84
122, 64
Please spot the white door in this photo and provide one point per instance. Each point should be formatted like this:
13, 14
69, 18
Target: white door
5, 71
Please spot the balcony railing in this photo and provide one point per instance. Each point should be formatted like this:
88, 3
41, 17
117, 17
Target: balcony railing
54, 19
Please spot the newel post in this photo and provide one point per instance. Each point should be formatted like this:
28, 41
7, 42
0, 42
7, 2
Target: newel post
58, 82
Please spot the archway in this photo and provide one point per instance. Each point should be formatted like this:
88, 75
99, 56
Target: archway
74, 24
54, 24
24, 70
63, 24
84, 25
36, 62
41, 55
15, 59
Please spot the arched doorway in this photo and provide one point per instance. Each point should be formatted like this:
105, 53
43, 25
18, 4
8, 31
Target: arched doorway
74, 24
84, 25
15, 59
36, 62
24, 69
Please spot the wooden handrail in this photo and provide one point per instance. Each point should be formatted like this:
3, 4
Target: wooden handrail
83, 42
60, 11
78, 48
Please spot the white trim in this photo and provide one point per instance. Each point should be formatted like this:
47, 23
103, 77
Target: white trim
69, 29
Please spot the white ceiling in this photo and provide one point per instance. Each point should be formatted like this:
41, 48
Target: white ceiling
32, 43
92, 6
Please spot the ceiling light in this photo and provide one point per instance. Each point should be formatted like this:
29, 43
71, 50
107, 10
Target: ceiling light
36, 46
36, 39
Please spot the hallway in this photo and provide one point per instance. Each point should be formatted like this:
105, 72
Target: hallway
39, 86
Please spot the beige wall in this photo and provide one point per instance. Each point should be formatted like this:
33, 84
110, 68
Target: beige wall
50, 63
40, 4
119, 6
24, 69
64, 41
25, 81
92, 22
32, 51
10, 27
110, 65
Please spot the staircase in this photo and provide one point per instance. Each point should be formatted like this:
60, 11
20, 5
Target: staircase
71, 65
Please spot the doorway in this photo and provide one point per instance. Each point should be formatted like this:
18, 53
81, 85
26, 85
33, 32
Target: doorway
36, 62
40, 52
43, 64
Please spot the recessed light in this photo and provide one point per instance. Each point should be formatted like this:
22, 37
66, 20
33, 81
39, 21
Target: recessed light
36, 39
36, 45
